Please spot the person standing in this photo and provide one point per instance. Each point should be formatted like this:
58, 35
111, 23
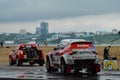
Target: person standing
1, 44
45, 43
106, 52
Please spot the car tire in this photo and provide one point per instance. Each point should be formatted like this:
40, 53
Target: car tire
10, 62
41, 62
63, 67
48, 67
18, 62
93, 72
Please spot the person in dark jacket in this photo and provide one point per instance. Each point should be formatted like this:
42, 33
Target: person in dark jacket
106, 52
1, 44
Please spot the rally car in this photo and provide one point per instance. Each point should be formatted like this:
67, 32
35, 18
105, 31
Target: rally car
73, 55
26, 53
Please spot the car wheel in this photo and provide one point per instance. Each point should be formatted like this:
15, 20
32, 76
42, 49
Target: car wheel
40, 64
63, 67
91, 71
18, 62
48, 67
10, 62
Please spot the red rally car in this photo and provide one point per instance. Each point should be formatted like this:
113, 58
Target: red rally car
26, 53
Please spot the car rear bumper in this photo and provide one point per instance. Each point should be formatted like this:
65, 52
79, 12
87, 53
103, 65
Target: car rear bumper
78, 64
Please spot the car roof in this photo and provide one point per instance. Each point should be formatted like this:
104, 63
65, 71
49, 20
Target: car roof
72, 40
24, 45
64, 42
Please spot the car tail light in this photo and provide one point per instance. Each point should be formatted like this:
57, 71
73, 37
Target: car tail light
23, 46
21, 52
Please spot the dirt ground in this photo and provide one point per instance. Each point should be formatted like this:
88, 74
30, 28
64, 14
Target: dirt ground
114, 52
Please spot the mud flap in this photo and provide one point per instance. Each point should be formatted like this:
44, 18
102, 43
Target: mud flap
97, 67
68, 70
94, 68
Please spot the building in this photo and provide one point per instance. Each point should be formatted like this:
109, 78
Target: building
23, 31
38, 31
44, 29
102, 32
58, 36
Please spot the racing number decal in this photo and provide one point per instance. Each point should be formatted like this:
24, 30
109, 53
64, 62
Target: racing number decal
110, 65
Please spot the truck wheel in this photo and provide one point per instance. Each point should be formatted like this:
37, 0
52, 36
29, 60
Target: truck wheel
48, 67
63, 67
10, 62
41, 64
18, 62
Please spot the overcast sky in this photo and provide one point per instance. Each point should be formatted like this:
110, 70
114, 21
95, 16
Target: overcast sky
62, 15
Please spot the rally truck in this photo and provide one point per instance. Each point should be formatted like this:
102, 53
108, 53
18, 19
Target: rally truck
26, 53
73, 55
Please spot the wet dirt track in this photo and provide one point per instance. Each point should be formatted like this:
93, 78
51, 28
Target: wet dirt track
36, 72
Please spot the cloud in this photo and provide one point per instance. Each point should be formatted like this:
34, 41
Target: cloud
93, 23
34, 10
62, 15
16, 27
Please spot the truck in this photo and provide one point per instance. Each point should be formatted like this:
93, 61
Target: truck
26, 53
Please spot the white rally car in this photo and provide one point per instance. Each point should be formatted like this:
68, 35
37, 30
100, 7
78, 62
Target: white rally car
73, 55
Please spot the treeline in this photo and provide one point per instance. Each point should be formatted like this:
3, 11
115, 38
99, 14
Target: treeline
97, 39
108, 39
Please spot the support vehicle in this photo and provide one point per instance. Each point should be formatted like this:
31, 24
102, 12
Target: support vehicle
73, 55
26, 53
